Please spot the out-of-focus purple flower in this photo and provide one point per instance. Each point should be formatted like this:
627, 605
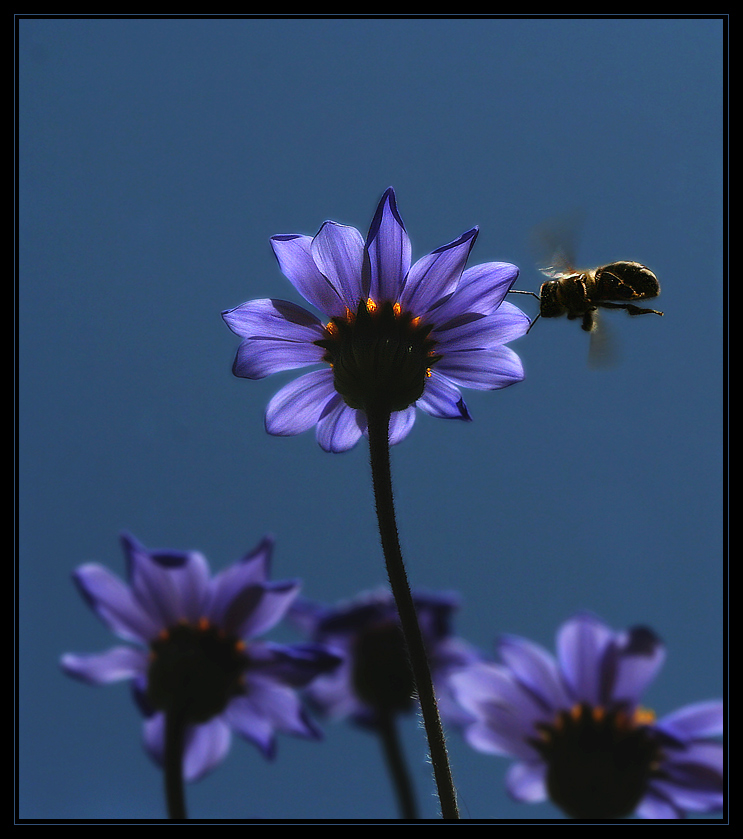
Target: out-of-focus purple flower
401, 334
375, 678
579, 734
196, 649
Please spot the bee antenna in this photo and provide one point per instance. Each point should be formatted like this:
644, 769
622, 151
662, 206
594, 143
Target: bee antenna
517, 291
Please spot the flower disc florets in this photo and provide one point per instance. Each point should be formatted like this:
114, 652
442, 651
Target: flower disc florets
599, 762
380, 356
395, 334
196, 669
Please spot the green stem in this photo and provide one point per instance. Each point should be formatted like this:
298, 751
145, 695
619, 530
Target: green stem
379, 452
396, 764
175, 730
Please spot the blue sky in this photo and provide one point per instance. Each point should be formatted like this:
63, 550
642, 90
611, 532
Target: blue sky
157, 157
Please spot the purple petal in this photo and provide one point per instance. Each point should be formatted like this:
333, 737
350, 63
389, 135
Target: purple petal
338, 251
260, 357
484, 287
484, 738
536, 669
294, 665
170, 585
639, 657
273, 319
267, 707
299, 405
112, 600
703, 719
473, 331
527, 782
388, 246
340, 427
256, 609
401, 423
491, 694
442, 399
581, 645
436, 275
112, 666
251, 570
482, 369
205, 747
658, 807
295, 260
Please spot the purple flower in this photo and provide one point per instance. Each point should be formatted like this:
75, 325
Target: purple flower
394, 335
374, 678
196, 649
578, 732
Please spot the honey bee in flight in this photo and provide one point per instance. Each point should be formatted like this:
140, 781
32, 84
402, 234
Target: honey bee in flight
580, 293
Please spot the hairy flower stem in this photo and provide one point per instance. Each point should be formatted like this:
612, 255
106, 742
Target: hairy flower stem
378, 420
396, 763
175, 730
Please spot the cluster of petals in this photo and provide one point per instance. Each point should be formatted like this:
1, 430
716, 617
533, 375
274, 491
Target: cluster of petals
169, 588
469, 320
511, 703
341, 627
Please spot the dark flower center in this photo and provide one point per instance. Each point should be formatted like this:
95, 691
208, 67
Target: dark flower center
195, 669
380, 356
599, 762
381, 669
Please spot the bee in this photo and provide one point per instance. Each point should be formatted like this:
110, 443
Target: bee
580, 293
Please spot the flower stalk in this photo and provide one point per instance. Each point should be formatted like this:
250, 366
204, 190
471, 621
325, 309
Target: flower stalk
378, 419
175, 731
388, 734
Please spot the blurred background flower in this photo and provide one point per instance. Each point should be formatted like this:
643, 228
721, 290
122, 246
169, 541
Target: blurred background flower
197, 650
579, 733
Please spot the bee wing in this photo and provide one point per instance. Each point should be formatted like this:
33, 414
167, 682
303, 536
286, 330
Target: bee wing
554, 244
603, 350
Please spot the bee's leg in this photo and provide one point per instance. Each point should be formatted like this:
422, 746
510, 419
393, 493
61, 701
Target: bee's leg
589, 321
631, 308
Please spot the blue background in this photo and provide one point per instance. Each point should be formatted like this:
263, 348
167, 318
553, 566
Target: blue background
157, 157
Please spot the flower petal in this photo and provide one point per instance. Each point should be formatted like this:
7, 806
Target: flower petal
205, 746
267, 707
639, 657
401, 423
170, 585
299, 405
338, 251
112, 600
702, 719
295, 260
527, 782
294, 665
260, 357
271, 318
388, 246
474, 331
256, 609
436, 275
484, 287
490, 369
536, 669
251, 570
112, 666
442, 399
340, 427
581, 645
